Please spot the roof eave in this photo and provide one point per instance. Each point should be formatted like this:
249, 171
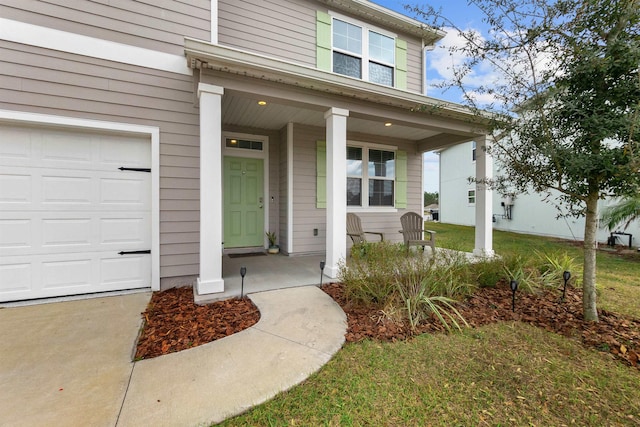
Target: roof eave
372, 12
204, 55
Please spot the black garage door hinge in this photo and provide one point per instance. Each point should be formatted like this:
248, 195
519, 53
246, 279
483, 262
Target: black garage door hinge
122, 168
148, 251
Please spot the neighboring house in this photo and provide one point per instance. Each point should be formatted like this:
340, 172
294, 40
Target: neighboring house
523, 213
141, 140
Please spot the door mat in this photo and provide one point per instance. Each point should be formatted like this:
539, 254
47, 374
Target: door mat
244, 255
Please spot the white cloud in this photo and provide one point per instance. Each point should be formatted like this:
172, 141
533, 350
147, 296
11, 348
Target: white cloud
448, 56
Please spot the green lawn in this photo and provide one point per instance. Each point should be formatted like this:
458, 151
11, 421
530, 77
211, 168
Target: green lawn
502, 374
618, 279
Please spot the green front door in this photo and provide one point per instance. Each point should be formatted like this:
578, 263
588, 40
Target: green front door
243, 202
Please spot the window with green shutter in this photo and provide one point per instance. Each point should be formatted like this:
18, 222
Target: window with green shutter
375, 177
352, 49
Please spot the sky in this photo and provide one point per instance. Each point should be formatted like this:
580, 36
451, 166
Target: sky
438, 61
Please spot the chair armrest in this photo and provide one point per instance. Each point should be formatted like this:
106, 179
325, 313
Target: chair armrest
377, 233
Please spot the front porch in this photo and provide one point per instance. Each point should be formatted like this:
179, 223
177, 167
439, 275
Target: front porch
303, 122
266, 273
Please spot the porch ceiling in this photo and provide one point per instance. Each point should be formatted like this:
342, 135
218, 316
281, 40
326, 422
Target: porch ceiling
301, 94
245, 111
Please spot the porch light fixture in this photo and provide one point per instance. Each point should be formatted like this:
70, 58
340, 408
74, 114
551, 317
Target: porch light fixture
262, 103
514, 288
566, 276
388, 124
243, 272
234, 141
321, 271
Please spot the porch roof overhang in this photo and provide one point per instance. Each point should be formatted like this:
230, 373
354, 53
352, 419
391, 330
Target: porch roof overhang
434, 123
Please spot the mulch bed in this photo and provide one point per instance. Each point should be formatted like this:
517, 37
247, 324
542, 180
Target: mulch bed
173, 322
614, 333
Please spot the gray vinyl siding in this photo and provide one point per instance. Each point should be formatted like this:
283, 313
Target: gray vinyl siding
153, 24
306, 216
414, 65
69, 85
286, 29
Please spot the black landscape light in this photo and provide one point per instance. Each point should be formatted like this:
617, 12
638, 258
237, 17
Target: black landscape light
243, 272
514, 288
321, 271
566, 276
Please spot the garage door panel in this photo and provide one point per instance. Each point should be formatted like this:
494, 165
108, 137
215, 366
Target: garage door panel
16, 147
15, 234
113, 152
15, 189
66, 232
67, 190
124, 232
125, 191
15, 278
67, 274
66, 211
124, 271
67, 150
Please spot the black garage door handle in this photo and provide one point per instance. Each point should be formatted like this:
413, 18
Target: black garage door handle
148, 251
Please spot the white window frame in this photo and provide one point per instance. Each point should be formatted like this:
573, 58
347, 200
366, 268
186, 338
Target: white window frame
365, 146
471, 194
473, 151
364, 56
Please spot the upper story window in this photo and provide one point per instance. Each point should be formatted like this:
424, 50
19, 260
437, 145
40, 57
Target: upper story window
471, 197
373, 170
363, 53
473, 151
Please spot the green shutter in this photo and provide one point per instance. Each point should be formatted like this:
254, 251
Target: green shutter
401, 179
401, 64
321, 174
323, 41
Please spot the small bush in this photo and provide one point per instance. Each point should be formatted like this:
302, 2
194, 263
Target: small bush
369, 278
387, 275
488, 272
553, 265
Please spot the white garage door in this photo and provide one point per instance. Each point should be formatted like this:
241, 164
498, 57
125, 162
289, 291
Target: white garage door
72, 222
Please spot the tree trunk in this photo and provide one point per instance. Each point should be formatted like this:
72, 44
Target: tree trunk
589, 310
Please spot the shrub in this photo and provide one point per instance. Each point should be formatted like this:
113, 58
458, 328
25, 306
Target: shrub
386, 275
488, 272
553, 265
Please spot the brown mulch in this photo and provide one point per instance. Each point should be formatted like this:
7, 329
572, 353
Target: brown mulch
173, 322
614, 333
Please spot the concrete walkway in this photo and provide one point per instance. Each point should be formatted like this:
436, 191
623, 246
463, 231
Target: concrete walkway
69, 363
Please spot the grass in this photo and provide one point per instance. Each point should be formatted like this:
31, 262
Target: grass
618, 278
501, 374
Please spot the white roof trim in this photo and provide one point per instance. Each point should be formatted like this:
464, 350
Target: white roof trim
204, 55
388, 18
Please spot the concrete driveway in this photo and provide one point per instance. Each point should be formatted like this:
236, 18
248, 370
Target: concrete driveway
69, 363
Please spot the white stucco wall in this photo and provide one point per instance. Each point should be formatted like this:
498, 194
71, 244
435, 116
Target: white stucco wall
529, 214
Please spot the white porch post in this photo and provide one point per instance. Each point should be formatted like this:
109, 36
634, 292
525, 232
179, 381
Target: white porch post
336, 122
484, 200
211, 228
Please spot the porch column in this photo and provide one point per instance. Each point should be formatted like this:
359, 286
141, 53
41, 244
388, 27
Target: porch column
336, 123
211, 228
484, 200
